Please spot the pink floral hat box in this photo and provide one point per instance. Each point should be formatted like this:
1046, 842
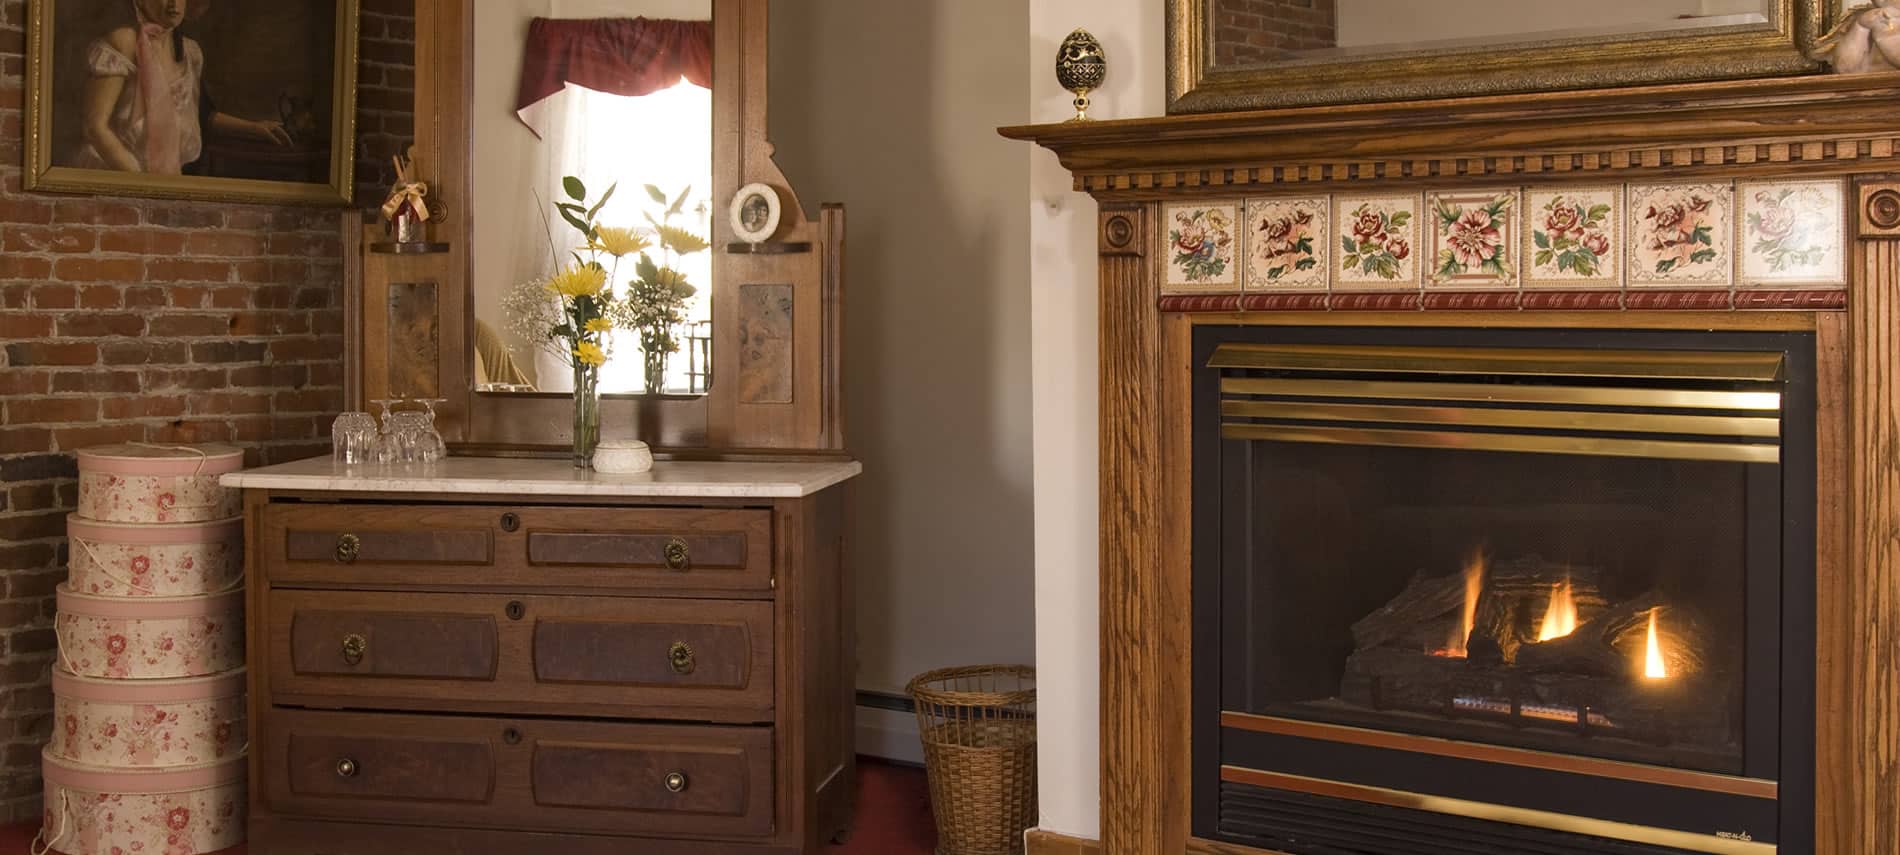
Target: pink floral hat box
155, 559
140, 482
93, 810
150, 638
147, 724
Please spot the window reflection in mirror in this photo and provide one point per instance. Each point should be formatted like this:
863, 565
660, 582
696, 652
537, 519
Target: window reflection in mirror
621, 110
1254, 32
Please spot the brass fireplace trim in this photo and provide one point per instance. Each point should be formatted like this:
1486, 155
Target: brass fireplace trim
1711, 843
1533, 443
1533, 362
1592, 766
1755, 426
1681, 399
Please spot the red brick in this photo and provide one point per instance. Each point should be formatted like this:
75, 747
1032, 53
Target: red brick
186, 216
142, 407
270, 376
93, 212
189, 432
94, 325
33, 497
25, 441
100, 297
42, 639
144, 352
224, 243
27, 556
16, 266
52, 353
296, 349
97, 382
186, 270
309, 401
75, 438
51, 411
166, 379
231, 404
55, 297
48, 239
13, 326
100, 269
190, 325
145, 297
16, 382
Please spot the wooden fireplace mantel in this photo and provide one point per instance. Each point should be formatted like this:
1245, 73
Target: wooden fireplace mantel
1819, 126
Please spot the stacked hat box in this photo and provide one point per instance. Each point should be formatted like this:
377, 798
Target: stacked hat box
149, 736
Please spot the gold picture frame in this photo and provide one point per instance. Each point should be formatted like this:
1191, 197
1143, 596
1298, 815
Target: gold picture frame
1776, 48
330, 183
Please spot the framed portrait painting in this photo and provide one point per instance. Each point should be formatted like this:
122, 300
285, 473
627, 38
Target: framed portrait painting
227, 100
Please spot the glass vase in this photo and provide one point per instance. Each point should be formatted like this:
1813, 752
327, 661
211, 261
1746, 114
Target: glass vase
586, 413
655, 365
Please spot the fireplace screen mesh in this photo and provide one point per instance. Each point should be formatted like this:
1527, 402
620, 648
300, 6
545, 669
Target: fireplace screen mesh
1586, 605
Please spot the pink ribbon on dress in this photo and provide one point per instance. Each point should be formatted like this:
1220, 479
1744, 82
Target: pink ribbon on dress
161, 108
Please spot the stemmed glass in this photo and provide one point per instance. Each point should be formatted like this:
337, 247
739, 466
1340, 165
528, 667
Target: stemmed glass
387, 450
407, 432
433, 448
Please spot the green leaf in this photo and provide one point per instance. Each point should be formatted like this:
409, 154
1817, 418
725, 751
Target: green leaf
1277, 272
680, 202
1542, 240
1350, 244
1544, 257
1703, 256
681, 241
574, 219
1702, 236
1597, 212
1351, 262
1665, 265
1306, 264
1400, 219
1305, 245
595, 211
575, 189
657, 194
647, 270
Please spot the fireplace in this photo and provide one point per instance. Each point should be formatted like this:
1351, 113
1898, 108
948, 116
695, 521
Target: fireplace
1523, 591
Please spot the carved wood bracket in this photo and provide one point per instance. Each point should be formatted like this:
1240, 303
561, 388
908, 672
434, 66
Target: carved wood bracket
1879, 211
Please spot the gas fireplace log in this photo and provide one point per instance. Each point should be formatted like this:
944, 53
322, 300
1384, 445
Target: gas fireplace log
1616, 642
1516, 598
1427, 615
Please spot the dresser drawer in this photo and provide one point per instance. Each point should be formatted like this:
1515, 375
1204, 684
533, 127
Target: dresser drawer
614, 657
526, 774
648, 550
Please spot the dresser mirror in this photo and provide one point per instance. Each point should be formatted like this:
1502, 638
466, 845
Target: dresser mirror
1231, 54
758, 366
615, 94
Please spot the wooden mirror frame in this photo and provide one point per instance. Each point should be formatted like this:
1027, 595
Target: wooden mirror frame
409, 318
1195, 85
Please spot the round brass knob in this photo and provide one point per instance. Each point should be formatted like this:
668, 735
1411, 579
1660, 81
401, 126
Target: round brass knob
678, 557
354, 646
346, 768
682, 658
676, 782
348, 546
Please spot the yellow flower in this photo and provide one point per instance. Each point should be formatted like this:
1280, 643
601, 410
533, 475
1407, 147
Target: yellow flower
616, 241
589, 353
578, 281
600, 325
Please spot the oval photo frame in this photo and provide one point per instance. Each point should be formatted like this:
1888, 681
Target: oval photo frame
755, 213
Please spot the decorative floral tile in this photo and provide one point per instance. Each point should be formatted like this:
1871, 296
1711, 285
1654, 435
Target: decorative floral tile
1573, 237
1680, 235
1792, 233
1203, 248
1378, 241
1473, 239
1288, 243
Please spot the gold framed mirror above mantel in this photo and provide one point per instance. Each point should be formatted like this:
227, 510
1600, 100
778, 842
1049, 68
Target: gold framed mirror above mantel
1245, 54
775, 308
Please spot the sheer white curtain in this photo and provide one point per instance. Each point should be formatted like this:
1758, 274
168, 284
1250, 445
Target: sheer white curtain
663, 139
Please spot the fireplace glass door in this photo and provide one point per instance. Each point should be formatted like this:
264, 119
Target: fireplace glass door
1542, 579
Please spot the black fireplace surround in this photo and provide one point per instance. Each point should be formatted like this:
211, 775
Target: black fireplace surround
1520, 592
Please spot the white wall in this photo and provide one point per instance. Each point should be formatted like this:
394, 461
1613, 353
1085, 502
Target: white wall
1062, 287
892, 109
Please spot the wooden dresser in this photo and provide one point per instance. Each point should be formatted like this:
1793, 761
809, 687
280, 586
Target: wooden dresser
512, 656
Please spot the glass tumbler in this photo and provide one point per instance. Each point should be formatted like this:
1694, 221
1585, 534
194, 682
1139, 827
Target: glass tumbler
353, 439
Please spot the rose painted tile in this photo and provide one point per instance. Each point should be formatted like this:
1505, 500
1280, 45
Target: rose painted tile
1377, 241
1573, 237
1792, 233
1203, 248
1680, 235
1473, 239
1288, 243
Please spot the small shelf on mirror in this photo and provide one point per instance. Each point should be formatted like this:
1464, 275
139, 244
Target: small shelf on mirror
768, 248
409, 247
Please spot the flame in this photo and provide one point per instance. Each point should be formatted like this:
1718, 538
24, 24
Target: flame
1474, 585
1560, 619
1653, 660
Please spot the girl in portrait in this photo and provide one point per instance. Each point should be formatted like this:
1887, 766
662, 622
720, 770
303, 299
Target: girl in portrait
145, 106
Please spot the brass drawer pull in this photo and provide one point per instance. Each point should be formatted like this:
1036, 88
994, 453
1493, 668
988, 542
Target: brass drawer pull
354, 646
682, 658
678, 557
348, 546
676, 782
346, 768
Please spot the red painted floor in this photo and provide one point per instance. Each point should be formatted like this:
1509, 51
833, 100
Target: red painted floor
893, 817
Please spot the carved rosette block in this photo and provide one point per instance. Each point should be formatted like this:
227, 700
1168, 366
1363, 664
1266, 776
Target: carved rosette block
1121, 231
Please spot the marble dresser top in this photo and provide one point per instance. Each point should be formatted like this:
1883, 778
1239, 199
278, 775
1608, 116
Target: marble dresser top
541, 477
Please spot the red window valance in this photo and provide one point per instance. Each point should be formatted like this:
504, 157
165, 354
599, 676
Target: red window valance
620, 56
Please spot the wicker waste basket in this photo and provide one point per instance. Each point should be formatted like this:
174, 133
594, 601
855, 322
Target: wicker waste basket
979, 732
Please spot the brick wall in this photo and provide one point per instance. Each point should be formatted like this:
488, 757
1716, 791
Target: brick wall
385, 94
1248, 31
128, 319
